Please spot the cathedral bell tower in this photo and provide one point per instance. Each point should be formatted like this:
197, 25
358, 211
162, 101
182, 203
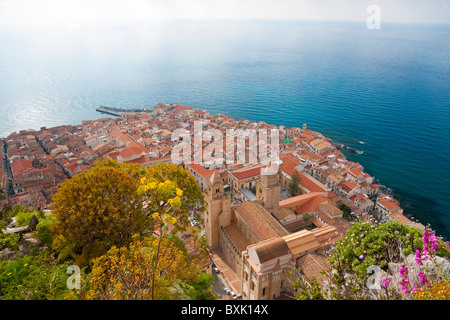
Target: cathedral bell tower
268, 188
218, 211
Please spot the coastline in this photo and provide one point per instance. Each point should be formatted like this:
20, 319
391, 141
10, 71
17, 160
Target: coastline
121, 112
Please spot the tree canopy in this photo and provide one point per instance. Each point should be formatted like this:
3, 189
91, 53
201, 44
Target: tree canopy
294, 187
95, 210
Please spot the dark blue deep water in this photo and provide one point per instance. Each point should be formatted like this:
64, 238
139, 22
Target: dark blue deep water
388, 88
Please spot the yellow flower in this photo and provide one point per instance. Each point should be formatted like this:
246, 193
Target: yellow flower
152, 185
143, 180
25, 264
175, 201
174, 220
155, 215
8, 274
179, 192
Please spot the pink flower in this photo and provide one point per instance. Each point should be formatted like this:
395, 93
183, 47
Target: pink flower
423, 278
386, 282
429, 242
418, 257
404, 282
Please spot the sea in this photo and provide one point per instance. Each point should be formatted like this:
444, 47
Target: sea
385, 92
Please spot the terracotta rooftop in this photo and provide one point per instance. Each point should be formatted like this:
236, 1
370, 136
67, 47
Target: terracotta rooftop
295, 202
144, 159
289, 164
311, 183
311, 265
270, 249
248, 172
205, 173
237, 237
19, 166
356, 172
390, 204
348, 185
301, 241
130, 152
263, 225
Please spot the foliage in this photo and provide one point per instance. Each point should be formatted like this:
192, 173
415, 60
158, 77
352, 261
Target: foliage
191, 199
33, 278
436, 291
346, 212
200, 288
367, 244
44, 233
95, 210
23, 216
131, 273
166, 202
10, 241
293, 187
387, 242
122, 221
308, 290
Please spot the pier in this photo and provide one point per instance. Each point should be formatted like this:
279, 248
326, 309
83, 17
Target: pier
119, 112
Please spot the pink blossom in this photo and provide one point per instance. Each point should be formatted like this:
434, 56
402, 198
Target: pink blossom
404, 282
423, 278
386, 282
418, 257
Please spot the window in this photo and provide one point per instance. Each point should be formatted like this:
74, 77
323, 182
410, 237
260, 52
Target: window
264, 292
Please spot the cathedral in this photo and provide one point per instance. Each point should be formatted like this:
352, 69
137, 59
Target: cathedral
255, 241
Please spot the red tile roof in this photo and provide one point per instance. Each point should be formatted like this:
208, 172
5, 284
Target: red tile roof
310, 183
184, 108
348, 185
356, 172
141, 160
289, 164
19, 166
129, 152
246, 173
205, 173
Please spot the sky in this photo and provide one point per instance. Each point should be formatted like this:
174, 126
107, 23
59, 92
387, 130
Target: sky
85, 11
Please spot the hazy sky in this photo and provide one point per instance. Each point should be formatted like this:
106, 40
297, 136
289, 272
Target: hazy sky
80, 11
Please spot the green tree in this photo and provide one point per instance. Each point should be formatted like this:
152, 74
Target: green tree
294, 185
95, 210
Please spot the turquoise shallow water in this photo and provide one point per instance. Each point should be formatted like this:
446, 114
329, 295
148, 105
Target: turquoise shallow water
388, 88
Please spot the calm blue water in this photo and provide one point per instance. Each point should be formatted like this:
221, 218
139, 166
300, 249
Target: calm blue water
389, 88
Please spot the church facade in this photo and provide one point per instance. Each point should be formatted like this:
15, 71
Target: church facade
250, 239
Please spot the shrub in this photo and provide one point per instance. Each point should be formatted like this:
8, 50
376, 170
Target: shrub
33, 278
23, 217
44, 233
10, 241
367, 244
436, 291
